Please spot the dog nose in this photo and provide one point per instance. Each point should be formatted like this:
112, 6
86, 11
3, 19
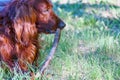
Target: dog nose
61, 25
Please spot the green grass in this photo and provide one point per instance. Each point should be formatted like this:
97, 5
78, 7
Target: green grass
89, 47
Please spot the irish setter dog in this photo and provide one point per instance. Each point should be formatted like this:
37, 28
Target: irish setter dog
20, 23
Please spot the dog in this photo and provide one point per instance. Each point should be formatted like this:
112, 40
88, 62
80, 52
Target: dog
21, 22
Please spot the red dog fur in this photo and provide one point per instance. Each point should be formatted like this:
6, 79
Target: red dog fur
21, 22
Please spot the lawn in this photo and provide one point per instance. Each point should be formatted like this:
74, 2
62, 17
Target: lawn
89, 47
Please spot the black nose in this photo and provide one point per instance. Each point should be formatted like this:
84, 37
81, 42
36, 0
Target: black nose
61, 25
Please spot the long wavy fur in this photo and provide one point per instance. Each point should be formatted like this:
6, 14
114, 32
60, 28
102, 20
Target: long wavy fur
18, 35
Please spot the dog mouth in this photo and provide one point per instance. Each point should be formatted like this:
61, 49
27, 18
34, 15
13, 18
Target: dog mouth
47, 31
50, 31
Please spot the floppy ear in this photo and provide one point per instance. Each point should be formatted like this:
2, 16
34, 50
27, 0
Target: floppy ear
24, 23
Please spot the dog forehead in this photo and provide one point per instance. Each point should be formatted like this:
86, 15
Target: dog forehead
48, 2
45, 3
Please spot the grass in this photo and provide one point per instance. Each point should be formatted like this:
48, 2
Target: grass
89, 47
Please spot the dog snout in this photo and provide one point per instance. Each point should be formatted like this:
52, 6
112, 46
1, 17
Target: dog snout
61, 25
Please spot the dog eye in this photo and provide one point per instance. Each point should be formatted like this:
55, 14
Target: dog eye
46, 10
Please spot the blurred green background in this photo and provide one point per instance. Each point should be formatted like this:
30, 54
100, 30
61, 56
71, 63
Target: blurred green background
89, 47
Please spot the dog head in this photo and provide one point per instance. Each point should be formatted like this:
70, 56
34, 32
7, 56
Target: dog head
47, 20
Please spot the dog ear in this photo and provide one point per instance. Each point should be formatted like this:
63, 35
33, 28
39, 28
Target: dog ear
24, 22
